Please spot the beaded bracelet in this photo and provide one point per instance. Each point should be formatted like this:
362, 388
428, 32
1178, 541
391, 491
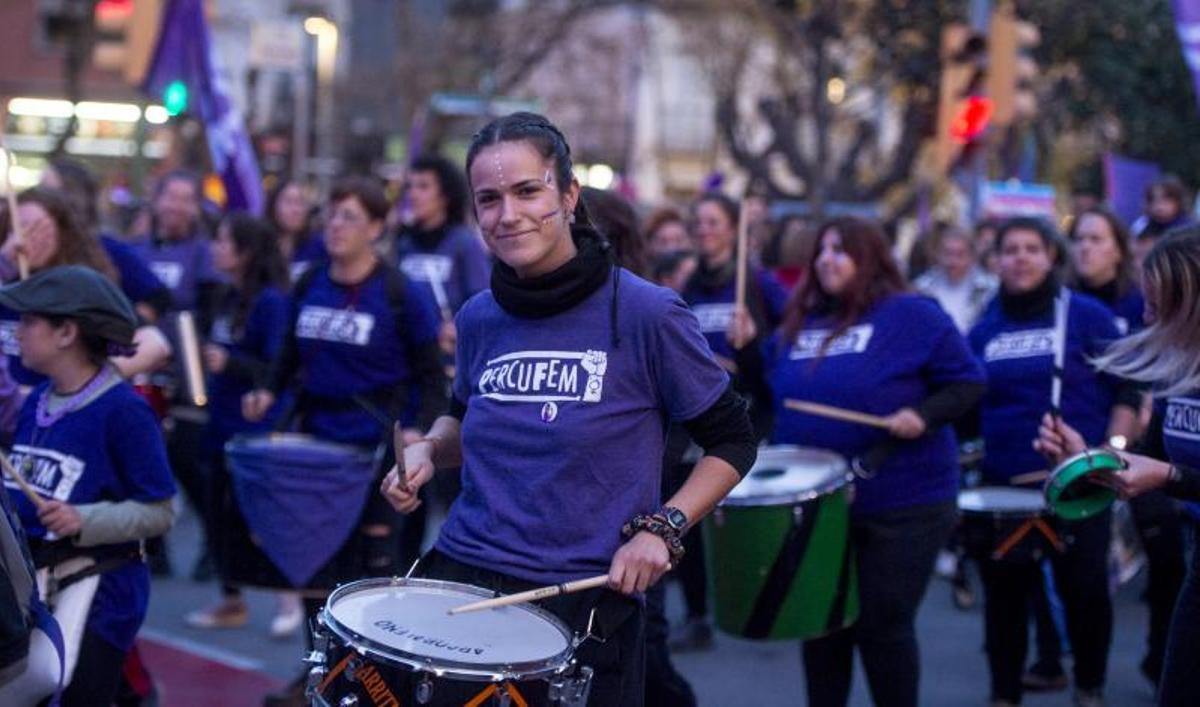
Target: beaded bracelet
657, 525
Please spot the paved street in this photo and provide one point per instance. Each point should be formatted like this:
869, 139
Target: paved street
235, 667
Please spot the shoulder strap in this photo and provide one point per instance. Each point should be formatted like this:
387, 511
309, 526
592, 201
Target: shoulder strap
305, 281
394, 286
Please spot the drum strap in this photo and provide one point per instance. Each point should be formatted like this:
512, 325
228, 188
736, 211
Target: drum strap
1017, 535
780, 577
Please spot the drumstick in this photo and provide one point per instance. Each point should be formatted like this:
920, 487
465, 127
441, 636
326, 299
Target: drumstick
533, 594
398, 446
439, 293
742, 237
26, 489
1060, 347
10, 159
836, 413
192, 370
1029, 477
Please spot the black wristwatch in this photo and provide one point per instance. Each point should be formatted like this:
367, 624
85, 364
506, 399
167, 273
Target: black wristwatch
676, 518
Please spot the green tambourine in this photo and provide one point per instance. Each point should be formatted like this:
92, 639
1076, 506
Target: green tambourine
1070, 492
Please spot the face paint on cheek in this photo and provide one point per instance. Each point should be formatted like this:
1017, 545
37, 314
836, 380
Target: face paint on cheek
547, 217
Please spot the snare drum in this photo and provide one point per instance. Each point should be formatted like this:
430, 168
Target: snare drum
1002, 523
779, 548
392, 642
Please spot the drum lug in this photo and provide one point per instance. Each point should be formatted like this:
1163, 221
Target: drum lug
571, 691
349, 701
316, 676
424, 691
797, 514
315, 657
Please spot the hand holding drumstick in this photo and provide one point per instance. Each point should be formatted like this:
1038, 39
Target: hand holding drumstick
1058, 440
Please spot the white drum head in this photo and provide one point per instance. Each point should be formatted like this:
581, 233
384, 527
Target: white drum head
784, 475
998, 499
409, 620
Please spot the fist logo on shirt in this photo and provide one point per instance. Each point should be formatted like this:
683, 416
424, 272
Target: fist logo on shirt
596, 365
595, 362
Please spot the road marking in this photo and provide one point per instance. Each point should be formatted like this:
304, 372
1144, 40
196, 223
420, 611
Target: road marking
217, 655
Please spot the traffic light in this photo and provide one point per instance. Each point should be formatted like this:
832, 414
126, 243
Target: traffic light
126, 33
964, 108
175, 98
1012, 69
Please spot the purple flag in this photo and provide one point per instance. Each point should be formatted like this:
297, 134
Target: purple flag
1187, 26
1125, 181
184, 53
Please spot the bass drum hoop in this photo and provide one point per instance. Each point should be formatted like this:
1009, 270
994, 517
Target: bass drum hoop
472, 672
836, 482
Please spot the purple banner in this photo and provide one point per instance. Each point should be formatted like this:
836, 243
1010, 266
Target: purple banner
1125, 181
184, 53
1187, 26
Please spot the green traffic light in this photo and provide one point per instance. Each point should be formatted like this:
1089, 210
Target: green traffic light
175, 98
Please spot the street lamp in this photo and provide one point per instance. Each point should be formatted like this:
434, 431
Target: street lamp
326, 33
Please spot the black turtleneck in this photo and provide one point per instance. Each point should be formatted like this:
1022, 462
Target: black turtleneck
425, 239
561, 289
1032, 304
1108, 293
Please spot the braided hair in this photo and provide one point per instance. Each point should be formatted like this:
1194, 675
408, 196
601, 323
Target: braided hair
544, 137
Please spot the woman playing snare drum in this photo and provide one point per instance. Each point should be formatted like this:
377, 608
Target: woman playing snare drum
852, 337
569, 369
1015, 341
1167, 356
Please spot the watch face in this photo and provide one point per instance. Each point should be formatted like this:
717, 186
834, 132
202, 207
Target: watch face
676, 518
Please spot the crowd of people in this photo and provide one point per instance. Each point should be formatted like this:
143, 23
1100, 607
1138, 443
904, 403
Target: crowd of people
404, 335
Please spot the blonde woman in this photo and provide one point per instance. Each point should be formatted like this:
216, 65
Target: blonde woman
1167, 355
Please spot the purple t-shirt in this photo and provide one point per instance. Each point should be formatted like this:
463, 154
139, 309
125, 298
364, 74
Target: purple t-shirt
896, 355
564, 431
181, 265
459, 263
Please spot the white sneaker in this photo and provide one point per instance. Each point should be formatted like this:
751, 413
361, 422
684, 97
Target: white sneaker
947, 565
289, 617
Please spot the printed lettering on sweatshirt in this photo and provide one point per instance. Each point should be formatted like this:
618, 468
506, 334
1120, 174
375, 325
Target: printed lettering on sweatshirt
1182, 418
1029, 343
852, 341
343, 326
424, 267
545, 376
714, 318
170, 273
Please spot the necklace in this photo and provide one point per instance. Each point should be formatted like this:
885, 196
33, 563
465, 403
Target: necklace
71, 403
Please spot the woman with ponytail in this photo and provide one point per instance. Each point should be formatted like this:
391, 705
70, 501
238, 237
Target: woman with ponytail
569, 368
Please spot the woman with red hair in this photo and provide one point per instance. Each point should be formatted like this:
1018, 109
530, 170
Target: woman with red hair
854, 337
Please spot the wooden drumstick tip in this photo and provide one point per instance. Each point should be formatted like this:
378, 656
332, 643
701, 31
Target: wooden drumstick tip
532, 595
38, 502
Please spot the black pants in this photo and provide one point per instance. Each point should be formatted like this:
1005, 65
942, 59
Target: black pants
895, 554
1160, 528
618, 663
1081, 575
665, 687
1047, 637
97, 673
1180, 685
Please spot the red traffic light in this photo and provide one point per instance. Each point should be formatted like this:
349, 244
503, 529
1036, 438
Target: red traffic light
971, 119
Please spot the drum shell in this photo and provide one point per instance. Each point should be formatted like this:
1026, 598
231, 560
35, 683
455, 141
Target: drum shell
375, 681
806, 544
